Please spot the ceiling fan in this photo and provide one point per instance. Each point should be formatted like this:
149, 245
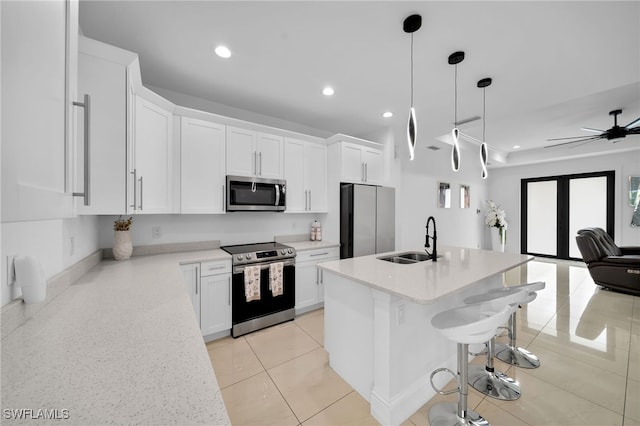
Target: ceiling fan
615, 133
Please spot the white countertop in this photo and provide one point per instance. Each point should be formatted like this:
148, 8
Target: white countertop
426, 282
120, 346
311, 245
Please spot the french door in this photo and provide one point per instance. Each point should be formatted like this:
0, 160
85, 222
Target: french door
554, 208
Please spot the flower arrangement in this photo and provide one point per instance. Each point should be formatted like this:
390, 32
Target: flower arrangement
497, 218
122, 224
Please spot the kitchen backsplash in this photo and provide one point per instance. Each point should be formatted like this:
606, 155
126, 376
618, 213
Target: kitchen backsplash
230, 228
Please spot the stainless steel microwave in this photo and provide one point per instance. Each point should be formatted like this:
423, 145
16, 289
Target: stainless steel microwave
255, 194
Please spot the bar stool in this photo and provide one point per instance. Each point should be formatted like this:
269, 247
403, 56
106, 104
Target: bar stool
486, 379
511, 353
467, 325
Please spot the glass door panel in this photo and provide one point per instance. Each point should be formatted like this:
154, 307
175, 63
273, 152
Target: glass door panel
587, 207
542, 212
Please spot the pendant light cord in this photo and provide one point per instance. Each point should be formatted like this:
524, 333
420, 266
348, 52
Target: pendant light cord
455, 97
484, 112
411, 70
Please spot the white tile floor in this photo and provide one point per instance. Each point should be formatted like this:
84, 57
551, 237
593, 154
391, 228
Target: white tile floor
587, 338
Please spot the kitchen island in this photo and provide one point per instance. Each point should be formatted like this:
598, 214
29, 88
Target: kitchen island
378, 321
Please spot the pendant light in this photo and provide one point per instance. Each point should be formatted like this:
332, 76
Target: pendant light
411, 25
454, 59
484, 149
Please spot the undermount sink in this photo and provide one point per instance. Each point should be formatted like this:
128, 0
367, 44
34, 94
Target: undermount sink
407, 258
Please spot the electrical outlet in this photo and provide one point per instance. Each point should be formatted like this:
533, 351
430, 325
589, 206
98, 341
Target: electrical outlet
155, 232
11, 270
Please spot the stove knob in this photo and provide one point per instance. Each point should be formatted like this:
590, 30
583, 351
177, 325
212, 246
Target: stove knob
239, 257
290, 251
283, 252
248, 256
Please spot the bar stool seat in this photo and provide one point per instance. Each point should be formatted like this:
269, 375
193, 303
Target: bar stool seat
511, 353
466, 325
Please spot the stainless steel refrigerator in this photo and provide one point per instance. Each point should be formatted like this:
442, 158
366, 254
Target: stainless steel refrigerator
367, 220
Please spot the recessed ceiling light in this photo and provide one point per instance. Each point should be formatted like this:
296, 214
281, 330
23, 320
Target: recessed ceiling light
327, 91
516, 146
387, 114
223, 51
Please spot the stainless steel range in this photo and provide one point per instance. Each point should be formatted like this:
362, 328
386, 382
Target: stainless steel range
251, 311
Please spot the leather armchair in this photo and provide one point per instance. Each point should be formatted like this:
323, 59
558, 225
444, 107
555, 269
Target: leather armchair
617, 268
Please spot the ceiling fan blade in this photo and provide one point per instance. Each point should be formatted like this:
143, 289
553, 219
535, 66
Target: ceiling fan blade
592, 138
589, 129
634, 131
634, 123
573, 137
580, 143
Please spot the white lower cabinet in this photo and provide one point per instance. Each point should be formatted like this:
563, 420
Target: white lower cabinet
309, 279
209, 285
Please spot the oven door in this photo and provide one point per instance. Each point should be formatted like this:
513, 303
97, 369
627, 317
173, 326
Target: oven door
242, 311
255, 194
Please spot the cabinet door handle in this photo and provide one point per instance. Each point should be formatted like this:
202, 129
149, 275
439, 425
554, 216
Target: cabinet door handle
322, 277
140, 179
197, 279
318, 254
135, 187
255, 163
306, 200
317, 276
260, 157
224, 195
229, 281
87, 110
309, 199
366, 172
362, 171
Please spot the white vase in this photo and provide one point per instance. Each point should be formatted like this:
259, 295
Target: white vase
122, 247
497, 243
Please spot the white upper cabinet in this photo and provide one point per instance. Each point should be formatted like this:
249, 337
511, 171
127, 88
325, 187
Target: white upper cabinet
306, 176
152, 158
103, 76
251, 153
39, 86
361, 164
202, 165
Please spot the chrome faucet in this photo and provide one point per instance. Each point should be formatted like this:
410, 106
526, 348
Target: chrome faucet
434, 254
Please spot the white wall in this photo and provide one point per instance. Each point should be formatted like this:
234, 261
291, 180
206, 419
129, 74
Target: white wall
229, 228
51, 242
504, 188
417, 197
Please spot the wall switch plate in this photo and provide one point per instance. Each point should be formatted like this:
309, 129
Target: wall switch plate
11, 270
156, 232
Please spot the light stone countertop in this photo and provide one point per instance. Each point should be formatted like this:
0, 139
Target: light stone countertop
426, 282
311, 245
120, 346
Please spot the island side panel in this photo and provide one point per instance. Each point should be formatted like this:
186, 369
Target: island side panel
349, 331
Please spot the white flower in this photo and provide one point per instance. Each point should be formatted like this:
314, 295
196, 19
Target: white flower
496, 217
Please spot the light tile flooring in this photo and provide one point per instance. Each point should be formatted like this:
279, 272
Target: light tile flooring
588, 340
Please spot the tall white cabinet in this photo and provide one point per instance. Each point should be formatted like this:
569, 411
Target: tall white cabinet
103, 74
39, 86
202, 166
306, 176
152, 159
361, 164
